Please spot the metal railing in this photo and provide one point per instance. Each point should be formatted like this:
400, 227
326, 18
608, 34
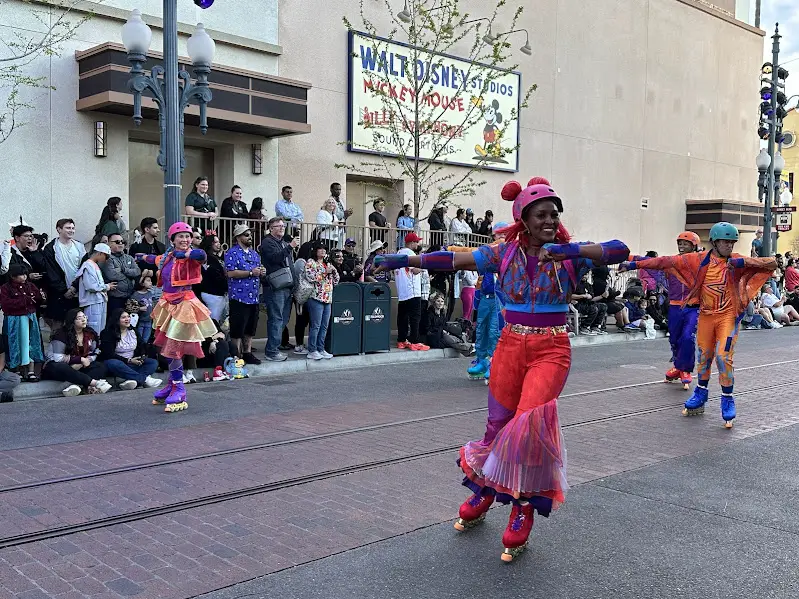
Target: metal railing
336, 235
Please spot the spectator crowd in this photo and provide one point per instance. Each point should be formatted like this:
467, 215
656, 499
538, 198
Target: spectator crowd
80, 313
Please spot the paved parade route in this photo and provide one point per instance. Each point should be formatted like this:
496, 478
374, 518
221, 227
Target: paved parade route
343, 483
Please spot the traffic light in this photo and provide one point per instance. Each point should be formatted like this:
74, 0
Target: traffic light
773, 102
204, 3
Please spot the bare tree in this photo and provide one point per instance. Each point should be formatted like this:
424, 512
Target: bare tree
415, 128
57, 22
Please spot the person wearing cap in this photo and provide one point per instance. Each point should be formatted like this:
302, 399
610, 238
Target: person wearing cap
370, 272
244, 271
120, 268
521, 459
405, 223
26, 251
351, 259
409, 294
92, 288
721, 284
470, 220
757, 245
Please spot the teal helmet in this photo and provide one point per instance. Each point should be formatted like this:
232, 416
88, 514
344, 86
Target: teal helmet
723, 231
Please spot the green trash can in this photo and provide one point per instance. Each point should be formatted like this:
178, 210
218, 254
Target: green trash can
344, 332
376, 317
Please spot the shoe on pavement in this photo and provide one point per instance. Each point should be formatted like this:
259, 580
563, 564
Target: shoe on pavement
300, 350
249, 358
325, 355
419, 347
7, 396
220, 375
188, 377
599, 331
72, 391
152, 382
587, 331
103, 386
128, 385
286, 347
278, 357
314, 355
403, 345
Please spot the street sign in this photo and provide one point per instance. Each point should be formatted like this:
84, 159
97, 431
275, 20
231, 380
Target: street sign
781, 209
783, 221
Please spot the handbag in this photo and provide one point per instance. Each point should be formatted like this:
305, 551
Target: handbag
282, 278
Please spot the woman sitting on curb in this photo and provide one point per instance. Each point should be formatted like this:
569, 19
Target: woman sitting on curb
124, 353
71, 357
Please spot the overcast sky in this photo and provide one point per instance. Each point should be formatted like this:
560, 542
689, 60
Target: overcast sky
786, 13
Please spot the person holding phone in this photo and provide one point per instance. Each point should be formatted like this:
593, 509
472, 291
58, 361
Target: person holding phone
125, 354
92, 288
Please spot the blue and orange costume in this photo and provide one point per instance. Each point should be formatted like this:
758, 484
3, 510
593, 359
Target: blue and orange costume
682, 317
521, 460
722, 288
181, 321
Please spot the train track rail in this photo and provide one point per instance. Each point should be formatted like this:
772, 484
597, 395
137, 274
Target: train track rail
206, 500
330, 435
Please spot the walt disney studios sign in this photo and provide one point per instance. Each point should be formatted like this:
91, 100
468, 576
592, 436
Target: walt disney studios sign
481, 142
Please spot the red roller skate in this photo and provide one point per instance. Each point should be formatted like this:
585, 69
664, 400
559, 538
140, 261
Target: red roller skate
177, 399
672, 375
519, 526
686, 379
473, 511
161, 395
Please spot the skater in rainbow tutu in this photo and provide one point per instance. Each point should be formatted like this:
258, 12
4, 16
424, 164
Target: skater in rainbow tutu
520, 460
180, 321
721, 284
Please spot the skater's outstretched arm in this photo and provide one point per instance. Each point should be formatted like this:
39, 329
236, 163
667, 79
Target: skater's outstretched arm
608, 252
758, 264
659, 263
441, 261
194, 254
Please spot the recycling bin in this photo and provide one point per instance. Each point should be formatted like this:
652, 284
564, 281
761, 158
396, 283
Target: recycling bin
344, 331
376, 317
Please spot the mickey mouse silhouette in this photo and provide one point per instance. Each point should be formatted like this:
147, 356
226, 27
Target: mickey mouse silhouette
491, 132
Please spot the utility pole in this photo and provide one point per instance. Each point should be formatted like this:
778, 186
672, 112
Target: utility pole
767, 217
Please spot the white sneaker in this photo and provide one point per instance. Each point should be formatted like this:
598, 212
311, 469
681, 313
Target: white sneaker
103, 386
71, 391
314, 355
188, 377
152, 382
128, 385
300, 350
325, 355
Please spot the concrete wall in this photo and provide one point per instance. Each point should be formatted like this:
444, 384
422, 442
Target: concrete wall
49, 166
636, 99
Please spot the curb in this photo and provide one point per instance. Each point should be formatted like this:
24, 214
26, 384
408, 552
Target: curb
299, 365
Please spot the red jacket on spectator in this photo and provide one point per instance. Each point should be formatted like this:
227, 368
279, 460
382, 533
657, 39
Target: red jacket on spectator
19, 299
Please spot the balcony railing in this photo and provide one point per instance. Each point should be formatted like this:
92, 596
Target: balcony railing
336, 235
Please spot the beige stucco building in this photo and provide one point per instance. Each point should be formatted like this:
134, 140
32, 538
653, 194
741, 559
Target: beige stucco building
639, 103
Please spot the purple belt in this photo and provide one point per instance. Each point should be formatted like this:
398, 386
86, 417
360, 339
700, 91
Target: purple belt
551, 319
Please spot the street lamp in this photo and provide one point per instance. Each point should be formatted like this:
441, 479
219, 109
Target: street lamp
171, 96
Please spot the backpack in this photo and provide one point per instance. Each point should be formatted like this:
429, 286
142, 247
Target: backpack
303, 288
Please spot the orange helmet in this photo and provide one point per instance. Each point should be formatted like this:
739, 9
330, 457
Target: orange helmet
690, 237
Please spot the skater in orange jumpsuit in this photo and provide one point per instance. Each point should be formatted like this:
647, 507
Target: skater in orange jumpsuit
520, 460
722, 284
